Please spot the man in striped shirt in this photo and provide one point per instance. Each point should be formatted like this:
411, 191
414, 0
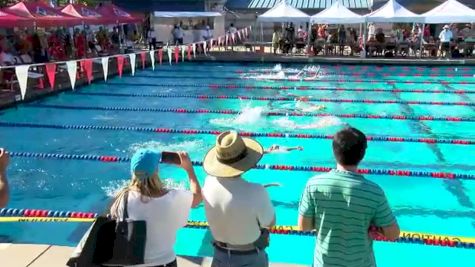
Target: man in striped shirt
342, 206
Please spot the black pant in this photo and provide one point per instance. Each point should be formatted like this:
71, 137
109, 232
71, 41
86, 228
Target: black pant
153, 44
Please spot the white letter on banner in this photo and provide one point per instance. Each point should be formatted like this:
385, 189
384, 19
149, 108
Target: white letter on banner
194, 50
132, 62
105, 67
204, 47
22, 76
152, 59
183, 53
169, 53
72, 69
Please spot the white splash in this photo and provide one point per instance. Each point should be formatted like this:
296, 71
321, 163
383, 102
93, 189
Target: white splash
189, 145
277, 68
248, 116
319, 123
103, 118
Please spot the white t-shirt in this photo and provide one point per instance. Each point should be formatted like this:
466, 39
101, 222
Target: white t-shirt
164, 216
232, 30
445, 36
234, 207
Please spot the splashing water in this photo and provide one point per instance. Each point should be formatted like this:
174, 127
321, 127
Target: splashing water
277, 68
319, 123
191, 145
247, 117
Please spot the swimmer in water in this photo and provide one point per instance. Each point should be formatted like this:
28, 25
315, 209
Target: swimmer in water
279, 149
305, 100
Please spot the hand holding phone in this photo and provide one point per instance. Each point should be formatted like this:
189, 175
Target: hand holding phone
185, 161
171, 158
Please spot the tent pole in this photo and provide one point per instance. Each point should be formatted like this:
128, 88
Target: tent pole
309, 32
262, 33
422, 39
364, 40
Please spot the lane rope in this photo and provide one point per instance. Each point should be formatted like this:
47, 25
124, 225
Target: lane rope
17, 215
390, 172
216, 132
282, 98
298, 88
272, 113
305, 80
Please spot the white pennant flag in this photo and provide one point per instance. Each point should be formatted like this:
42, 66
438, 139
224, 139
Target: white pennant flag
219, 41
22, 76
204, 47
132, 57
233, 37
169, 53
105, 67
72, 69
211, 44
194, 50
152, 59
183, 48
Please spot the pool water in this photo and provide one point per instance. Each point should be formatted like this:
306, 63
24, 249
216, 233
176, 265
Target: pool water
421, 204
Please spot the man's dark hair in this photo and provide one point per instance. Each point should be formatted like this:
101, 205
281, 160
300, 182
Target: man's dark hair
349, 146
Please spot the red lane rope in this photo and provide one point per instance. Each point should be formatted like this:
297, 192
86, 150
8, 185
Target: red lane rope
235, 112
391, 172
216, 132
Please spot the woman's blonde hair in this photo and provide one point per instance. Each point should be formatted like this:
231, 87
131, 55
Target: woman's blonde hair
148, 188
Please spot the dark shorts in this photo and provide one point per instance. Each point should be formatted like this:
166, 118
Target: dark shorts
445, 46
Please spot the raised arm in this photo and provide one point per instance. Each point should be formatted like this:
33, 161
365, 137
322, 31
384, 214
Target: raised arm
195, 187
4, 189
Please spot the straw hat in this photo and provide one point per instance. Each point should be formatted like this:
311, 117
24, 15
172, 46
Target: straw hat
232, 155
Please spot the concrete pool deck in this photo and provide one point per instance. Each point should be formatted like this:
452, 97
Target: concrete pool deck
26, 255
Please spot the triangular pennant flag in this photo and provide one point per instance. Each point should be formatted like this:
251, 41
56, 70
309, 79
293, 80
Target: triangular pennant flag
152, 59
132, 62
51, 73
177, 53
72, 70
160, 55
233, 38
204, 47
189, 52
219, 41
193, 46
182, 53
86, 65
226, 37
239, 35
142, 57
211, 44
169, 53
120, 64
105, 67
22, 76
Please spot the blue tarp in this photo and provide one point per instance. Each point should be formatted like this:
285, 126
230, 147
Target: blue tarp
161, 5
300, 4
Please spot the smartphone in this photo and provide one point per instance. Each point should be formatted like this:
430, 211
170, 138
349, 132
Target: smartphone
171, 157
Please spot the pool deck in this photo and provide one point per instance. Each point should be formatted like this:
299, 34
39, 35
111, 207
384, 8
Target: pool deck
24, 255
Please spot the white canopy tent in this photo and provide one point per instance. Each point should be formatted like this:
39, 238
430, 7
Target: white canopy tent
450, 11
283, 12
392, 11
337, 13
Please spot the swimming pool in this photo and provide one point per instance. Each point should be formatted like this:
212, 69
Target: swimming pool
425, 104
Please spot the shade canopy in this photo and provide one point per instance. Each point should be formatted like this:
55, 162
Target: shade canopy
11, 21
86, 14
337, 13
283, 12
392, 11
185, 14
42, 14
450, 11
115, 15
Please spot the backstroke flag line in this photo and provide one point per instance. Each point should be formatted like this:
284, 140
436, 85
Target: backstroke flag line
22, 76
72, 70
152, 59
132, 57
105, 67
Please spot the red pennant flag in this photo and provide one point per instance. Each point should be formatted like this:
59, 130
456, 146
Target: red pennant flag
160, 55
142, 56
177, 52
120, 64
86, 65
189, 52
51, 72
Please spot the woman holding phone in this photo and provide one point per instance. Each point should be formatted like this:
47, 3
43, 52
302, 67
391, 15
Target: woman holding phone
165, 210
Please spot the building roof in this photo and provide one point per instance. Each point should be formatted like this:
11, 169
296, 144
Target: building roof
300, 4
161, 5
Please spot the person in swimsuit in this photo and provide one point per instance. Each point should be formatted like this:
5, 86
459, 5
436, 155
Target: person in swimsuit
278, 148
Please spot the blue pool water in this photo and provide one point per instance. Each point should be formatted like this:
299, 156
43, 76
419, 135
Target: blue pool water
421, 204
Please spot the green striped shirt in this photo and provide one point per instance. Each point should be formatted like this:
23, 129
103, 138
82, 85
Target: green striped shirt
344, 205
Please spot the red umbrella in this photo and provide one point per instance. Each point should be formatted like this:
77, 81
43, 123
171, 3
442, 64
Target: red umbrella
86, 14
43, 15
11, 21
115, 14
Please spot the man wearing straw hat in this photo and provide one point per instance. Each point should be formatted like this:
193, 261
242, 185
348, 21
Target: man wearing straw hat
237, 211
345, 209
4, 194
